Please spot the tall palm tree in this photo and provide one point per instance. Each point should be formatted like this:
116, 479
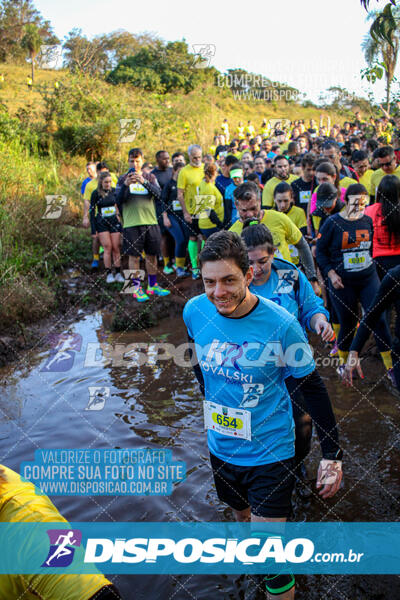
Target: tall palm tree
386, 50
31, 42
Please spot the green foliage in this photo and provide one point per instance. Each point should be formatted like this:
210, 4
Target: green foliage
161, 68
381, 47
384, 26
371, 74
15, 16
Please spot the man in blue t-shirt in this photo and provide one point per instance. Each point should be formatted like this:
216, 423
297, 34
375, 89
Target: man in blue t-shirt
91, 171
245, 347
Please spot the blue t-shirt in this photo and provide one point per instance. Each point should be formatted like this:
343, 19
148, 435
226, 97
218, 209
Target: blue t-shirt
244, 363
222, 183
84, 184
290, 288
229, 196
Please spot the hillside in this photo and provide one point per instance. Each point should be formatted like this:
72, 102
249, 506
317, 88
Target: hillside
46, 136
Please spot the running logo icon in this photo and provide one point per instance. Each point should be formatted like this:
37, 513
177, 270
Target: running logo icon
97, 397
203, 53
54, 206
279, 124
132, 280
50, 57
128, 130
62, 547
287, 281
63, 354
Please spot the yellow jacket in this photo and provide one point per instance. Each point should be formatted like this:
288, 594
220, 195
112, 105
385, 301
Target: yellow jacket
20, 503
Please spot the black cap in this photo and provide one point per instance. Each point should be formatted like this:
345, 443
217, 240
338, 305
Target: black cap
326, 195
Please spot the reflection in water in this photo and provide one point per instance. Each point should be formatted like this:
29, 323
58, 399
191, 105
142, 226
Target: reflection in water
158, 404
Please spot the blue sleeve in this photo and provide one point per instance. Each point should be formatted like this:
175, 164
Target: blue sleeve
309, 303
84, 184
298, 354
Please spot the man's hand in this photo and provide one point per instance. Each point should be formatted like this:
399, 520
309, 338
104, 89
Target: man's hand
323, 328
85, 222
129, 179
335, 280
137, 178
166, 221
329, 476
187, 217
353, 363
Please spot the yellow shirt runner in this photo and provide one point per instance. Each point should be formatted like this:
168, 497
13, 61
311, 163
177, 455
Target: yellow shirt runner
284, 232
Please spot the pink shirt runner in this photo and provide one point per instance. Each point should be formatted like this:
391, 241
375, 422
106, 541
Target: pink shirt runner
314, 199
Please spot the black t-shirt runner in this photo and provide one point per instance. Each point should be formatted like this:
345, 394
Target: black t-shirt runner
169, 199
302, 192
102, 207
162, 176
346, 247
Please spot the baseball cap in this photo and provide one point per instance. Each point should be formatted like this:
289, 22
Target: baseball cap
326, 195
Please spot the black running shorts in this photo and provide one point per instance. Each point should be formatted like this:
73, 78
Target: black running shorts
267, 489
141, 238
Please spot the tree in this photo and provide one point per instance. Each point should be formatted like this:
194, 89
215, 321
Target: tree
161, 68
384, 50
32, 42
83, 55
122, 44
15, 15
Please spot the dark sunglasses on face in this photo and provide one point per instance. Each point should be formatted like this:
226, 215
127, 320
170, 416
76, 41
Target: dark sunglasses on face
386, 164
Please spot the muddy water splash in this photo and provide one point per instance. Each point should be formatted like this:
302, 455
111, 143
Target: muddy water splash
158, 405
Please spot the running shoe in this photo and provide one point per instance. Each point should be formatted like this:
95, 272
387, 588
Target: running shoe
110, 278
196, 274
167, 270
390, 376
95, 264
140, 295
156, 290
181, 272
119, 278
335, 349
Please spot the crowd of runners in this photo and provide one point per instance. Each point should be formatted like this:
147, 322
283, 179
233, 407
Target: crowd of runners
293, 228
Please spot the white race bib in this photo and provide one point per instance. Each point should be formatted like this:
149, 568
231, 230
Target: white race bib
232, 422
304, 197
108, 211
176, 205
357, 261
137, 188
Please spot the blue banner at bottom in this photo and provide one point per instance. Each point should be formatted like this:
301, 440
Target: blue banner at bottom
195, 548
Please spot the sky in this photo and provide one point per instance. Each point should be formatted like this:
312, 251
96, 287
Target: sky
311, 45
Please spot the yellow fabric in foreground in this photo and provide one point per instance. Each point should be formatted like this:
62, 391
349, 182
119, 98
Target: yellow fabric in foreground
20, 503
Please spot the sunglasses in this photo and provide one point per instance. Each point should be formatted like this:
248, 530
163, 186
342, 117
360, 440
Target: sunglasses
387, 163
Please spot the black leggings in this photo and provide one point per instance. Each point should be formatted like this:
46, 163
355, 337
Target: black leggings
309, 395
346, 304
